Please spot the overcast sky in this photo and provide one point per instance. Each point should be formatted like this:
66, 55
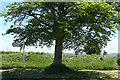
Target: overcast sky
6, 41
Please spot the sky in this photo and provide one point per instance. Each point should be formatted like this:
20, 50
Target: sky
6, 41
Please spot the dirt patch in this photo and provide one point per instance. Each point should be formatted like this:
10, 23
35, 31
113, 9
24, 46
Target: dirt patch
113, 73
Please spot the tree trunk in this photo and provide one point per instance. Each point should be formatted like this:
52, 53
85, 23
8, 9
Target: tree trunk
58, 52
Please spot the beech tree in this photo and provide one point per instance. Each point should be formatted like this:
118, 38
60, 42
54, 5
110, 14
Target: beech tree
70, 24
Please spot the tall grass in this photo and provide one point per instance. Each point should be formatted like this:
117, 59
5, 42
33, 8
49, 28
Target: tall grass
42, 60
90, 62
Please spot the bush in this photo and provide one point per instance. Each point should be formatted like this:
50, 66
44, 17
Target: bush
9, 52
92, 48
118, 59
30, 52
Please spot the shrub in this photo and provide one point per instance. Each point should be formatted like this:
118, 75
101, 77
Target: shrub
118, 59
9, 52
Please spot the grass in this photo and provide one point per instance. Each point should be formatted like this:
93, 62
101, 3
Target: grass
31, 60
28, 73
90, 62
41, 61
38, 66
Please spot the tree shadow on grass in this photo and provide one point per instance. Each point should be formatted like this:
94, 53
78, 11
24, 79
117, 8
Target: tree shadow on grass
20, 74
53, 73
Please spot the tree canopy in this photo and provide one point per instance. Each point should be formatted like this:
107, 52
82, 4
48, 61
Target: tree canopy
70, 24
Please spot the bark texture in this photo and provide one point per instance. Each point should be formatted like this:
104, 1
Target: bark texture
58, 52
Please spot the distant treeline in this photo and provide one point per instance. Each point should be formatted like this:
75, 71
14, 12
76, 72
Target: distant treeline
31, 52
13, 52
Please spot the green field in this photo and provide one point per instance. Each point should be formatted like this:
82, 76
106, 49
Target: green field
79, 64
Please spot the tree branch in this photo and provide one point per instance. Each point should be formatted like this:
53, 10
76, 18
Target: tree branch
33, 14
